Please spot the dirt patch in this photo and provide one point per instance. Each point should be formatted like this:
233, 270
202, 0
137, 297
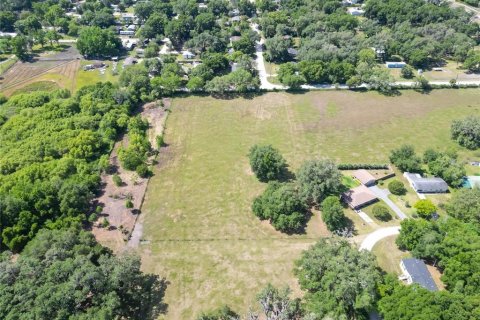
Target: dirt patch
436, 275
113, 198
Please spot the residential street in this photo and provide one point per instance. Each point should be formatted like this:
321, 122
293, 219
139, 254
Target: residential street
267, 85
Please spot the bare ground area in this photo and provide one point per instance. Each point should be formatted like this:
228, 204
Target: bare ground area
113, 198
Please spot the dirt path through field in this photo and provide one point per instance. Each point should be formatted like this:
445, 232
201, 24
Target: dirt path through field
121, 220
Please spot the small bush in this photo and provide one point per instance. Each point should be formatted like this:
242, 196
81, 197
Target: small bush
92, 218
143, 171
129, 204
160, 141
354, 166
397, 188
117, 180
381, 212
105, 223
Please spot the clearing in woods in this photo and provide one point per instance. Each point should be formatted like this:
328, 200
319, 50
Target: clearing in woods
199, 230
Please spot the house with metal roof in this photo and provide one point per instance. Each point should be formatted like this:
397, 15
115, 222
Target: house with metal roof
426, 185
359, 197
415, 271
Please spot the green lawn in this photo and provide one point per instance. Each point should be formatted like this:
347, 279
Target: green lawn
38, 86
199, 230
93, 76
388, 255
6, 64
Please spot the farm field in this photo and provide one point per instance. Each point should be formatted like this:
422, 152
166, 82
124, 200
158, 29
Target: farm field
58, 67
199, 231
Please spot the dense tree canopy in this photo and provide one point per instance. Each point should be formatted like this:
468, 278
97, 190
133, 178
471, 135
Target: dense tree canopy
467, 132
450, 244
414, 302
405, 159
52, 150
339, 280
319, 179
332, 213
267, 163
96, 42
282, 205
65, 274
465, 205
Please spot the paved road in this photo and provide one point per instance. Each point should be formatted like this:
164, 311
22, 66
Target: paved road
369, 242
383, 194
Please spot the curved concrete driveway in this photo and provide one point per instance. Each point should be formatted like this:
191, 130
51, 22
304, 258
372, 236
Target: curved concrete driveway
374, 237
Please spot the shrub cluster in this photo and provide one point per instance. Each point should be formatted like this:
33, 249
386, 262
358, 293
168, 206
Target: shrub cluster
355, 166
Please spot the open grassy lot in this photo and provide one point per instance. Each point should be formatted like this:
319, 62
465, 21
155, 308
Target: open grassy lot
90, 77
388, 255
199, 231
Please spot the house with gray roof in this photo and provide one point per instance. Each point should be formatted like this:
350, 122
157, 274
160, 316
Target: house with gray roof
426, 185
415, 271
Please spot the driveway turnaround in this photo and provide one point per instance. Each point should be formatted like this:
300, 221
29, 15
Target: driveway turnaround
383, 194
369, 242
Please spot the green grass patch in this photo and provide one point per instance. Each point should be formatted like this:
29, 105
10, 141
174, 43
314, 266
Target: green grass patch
37, 86
5, 65
349, 182
332, 109
388, 255
90, 77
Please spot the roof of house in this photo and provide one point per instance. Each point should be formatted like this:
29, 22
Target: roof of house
427, 184
417, 269
359, 196
364, 176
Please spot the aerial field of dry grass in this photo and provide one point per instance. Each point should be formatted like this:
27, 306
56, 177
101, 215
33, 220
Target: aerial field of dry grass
199, 231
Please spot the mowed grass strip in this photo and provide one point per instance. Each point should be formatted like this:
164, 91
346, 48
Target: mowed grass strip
202, 234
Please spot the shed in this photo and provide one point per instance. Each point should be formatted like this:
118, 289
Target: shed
415, 271
426, 185
365, 177
359, 197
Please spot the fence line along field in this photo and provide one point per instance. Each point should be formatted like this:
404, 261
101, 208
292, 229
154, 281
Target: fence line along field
199, 230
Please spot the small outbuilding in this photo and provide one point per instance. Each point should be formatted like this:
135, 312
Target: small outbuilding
359, 197
415, 271
365, 177
426, 185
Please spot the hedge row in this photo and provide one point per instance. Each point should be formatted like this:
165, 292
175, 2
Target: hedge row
355, 166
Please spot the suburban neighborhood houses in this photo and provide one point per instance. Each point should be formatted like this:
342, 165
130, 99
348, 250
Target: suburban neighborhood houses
247, 159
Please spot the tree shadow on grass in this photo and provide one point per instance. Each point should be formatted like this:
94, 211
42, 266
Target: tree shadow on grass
153, 294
